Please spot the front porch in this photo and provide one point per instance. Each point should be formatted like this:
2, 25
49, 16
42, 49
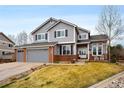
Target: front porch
71, 52
83, 51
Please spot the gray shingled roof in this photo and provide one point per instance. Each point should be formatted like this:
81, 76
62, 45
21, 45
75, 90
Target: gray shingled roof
39, 44
7, 37
94, 38
57, 21
98, 37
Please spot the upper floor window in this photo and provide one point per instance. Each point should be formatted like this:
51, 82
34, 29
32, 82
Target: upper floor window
41, 37
83, 36
10, 45
61, 33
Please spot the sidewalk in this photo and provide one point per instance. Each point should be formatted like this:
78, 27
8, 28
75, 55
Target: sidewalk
116, 81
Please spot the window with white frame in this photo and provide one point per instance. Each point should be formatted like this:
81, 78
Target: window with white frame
97, 49
94, 50
41, 36
83, 36
66, 49
61, 33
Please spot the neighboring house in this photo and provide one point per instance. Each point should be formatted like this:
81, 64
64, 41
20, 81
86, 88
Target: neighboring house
6, 48
59, 40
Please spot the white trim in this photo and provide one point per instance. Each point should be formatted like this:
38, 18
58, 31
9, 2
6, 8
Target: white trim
69, 49
65, 42
74, 35
48, 36
99, 40
41, 38
75, 49
34, 46
37, 48
60, 30
9, 50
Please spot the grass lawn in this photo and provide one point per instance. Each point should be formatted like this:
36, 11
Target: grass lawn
68, 76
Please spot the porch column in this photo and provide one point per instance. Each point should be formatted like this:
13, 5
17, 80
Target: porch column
75, 49
88, 48
15, 55
24, 57
51, 54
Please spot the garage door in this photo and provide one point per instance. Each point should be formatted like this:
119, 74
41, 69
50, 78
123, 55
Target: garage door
20, 55
37, 55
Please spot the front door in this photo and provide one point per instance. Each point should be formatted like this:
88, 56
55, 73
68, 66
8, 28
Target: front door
82, 52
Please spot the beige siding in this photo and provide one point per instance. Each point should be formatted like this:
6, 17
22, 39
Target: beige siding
44, 28
69, 38
81, 32
2, 38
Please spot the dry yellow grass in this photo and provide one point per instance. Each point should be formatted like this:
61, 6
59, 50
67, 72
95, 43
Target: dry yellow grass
68, 76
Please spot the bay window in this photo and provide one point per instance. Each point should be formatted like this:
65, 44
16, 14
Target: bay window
97, 49
94, 50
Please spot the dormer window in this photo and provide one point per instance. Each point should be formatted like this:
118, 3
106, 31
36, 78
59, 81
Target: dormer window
83, 36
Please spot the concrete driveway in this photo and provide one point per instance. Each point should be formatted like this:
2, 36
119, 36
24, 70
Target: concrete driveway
10, 69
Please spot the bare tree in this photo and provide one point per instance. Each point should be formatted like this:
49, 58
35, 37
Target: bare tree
30, 38
22, 38
12, 37
110, 23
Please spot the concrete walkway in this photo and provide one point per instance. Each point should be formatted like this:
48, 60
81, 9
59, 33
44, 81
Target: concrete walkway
10, 69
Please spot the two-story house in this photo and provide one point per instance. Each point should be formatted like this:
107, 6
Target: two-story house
6, 48
60, 40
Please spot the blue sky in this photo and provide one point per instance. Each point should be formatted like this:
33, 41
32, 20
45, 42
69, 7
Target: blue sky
14, 19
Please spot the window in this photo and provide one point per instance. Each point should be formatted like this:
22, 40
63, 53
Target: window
97, 49
35, 37
39, 37
82, 36
10, 45
3, 53
94, 50
61, 33
66, 50
82, 52
42, 36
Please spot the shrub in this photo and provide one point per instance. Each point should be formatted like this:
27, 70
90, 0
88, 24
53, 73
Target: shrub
113, 59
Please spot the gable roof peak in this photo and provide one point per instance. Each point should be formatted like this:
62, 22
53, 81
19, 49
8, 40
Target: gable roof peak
51, 18
1, 33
